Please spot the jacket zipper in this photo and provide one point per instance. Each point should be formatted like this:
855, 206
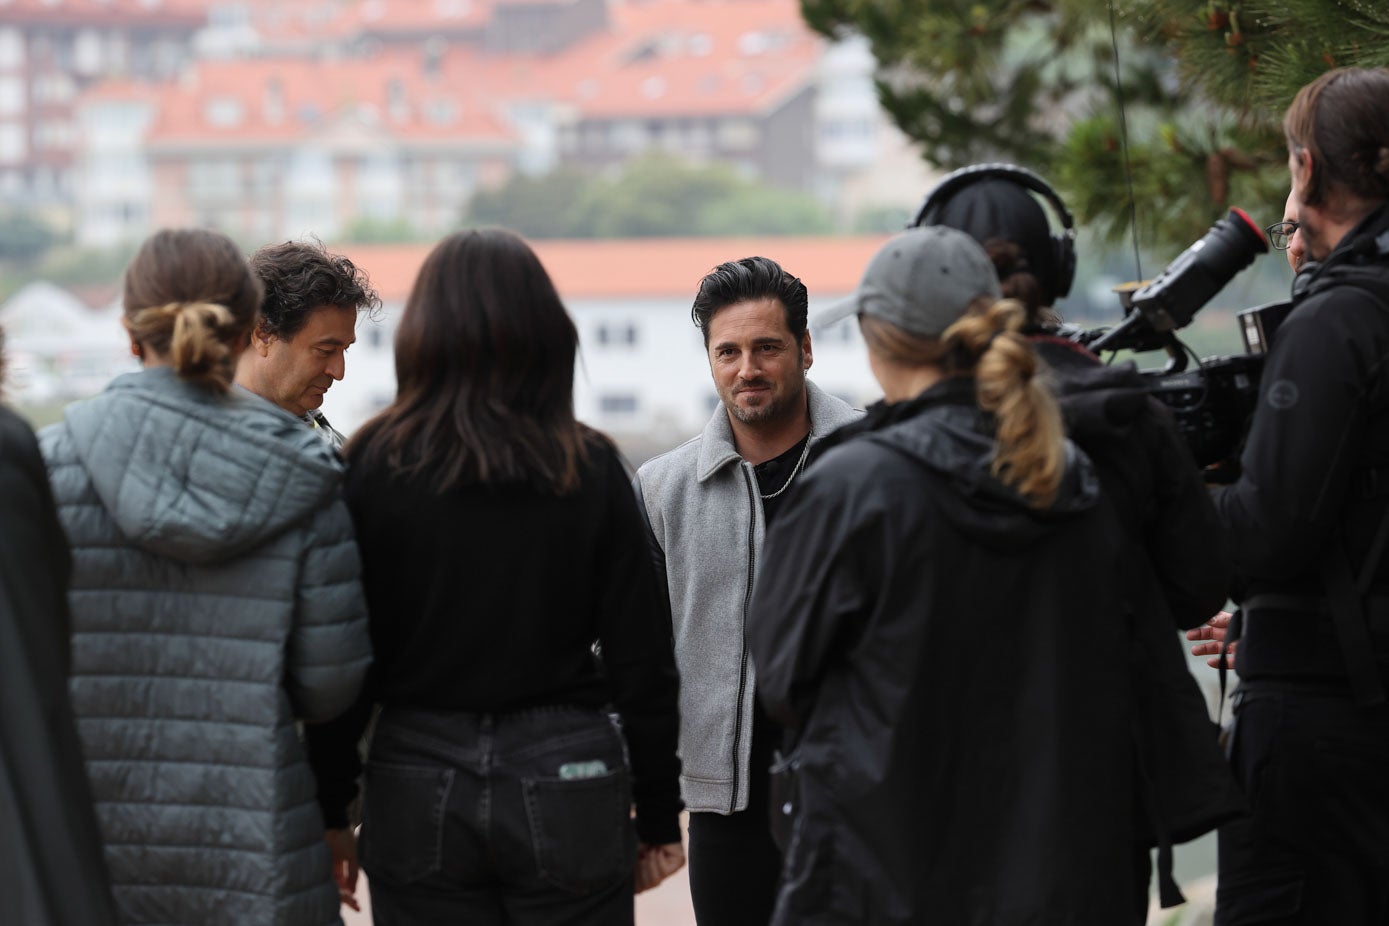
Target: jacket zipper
743, 665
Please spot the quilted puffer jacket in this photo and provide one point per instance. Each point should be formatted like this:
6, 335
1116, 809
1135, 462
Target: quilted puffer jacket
215, 601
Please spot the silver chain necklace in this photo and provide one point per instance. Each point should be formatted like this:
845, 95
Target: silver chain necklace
794, 470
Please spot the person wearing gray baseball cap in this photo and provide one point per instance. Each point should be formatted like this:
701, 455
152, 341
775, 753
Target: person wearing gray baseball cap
923, 784
936, 262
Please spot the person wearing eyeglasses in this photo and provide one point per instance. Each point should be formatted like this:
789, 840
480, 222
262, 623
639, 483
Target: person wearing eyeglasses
1308, 522
1285, 236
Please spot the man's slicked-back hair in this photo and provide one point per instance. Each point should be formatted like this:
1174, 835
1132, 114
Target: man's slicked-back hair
748, 279
300, 276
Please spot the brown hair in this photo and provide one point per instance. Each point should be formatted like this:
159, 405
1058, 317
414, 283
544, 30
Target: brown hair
1017, 281
484, 360
1029, 449
1342, 120
190, 296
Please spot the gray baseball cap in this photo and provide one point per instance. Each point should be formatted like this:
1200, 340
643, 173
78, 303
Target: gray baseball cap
921, 280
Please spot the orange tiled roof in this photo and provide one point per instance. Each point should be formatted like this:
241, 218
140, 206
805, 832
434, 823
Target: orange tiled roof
662, 58
645, 267
389, 94
384, 17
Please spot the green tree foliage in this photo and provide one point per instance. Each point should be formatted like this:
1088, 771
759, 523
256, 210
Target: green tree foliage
24, 237
379, 231
539, 207
656, 196
1203, 85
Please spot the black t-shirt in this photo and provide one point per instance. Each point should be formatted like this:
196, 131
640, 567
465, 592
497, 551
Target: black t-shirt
777, 474
773, 476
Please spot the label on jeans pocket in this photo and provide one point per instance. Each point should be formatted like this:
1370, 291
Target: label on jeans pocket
595, 768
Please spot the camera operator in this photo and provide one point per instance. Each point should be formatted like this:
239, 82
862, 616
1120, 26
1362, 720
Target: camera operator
1178, 556
1147, 470
1307, 521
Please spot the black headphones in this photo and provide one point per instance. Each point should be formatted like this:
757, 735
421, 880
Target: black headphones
1063, 244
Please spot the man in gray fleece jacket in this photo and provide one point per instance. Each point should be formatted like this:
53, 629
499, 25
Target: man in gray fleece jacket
708, 503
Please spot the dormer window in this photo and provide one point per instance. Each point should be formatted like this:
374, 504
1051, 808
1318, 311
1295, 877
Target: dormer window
223, 112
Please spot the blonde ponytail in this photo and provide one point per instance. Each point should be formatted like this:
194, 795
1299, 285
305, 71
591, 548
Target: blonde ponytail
1030, 454
197, 337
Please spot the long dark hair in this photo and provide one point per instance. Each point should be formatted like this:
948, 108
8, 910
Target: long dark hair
484, 359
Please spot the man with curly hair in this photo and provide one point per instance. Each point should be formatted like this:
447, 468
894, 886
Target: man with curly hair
306, 325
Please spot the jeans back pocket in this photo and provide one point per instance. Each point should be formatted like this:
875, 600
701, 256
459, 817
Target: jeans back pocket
581, 830
403, 821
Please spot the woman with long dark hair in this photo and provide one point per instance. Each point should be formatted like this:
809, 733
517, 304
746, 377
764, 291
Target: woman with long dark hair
958, 758
513, 602
215, 605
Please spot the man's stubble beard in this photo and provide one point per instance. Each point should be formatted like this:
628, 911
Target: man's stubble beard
775, 410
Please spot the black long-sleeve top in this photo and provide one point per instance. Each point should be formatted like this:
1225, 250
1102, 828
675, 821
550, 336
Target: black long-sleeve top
491, 598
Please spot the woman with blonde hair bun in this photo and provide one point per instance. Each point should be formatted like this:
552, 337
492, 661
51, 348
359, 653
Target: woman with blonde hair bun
952, 756
215, 604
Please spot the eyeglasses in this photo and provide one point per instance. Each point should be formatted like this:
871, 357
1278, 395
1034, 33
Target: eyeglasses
1280, 232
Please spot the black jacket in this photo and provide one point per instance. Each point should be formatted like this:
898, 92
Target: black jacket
1148, 473
962, 759
1176, 570
51, 868
1316, 463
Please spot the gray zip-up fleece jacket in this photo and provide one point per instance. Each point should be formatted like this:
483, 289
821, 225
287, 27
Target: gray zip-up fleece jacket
215, 600
705, 514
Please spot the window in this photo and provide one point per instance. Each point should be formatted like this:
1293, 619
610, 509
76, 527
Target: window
214, 179
441, 112
11, 48
844, 331
11, 95
229, 15
54, 133
54, 88
738, 133
13, 145
87, 52
614, 334
223, 112
618, 403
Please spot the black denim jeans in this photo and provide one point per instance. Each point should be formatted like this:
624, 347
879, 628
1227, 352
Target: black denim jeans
1315, 851
518, 818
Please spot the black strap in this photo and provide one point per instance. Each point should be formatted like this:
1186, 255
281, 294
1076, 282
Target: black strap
1169, 894
1232, 635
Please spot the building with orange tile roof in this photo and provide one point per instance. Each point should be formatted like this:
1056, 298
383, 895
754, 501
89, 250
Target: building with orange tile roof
50, 50
282, 148
353, 113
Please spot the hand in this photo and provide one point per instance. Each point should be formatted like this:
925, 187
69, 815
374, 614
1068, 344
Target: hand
656, 863
1213, 632
342, 845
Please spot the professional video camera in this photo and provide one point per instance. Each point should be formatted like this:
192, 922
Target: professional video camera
1213, 402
